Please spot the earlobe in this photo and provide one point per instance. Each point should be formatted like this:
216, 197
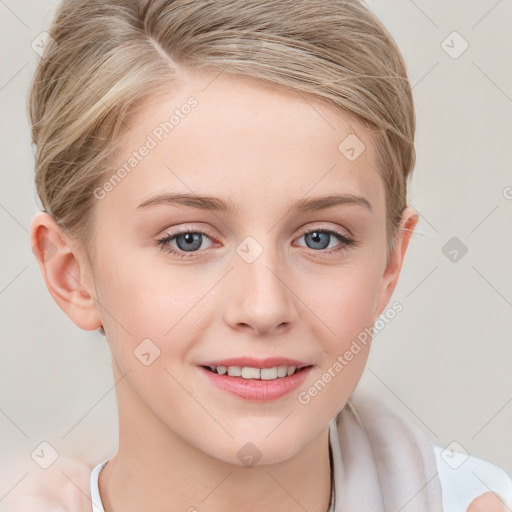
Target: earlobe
391, 274
64, 271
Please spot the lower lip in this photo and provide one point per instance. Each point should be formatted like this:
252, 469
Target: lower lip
255, 389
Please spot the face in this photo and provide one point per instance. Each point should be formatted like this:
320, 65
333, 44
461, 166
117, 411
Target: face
186, 282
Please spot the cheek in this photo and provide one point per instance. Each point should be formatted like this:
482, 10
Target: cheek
162, 303
345, 304
345, 309
148, 295
173, 304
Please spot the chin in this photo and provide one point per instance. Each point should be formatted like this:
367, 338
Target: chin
254, 450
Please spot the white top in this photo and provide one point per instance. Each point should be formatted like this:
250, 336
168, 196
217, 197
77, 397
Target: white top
463, 478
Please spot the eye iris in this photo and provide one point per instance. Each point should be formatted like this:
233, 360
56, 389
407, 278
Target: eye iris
193, 241
316, 236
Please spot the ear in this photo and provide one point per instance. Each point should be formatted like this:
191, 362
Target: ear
66, 271
391, 274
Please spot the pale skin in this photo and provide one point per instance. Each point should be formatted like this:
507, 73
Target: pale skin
263, 149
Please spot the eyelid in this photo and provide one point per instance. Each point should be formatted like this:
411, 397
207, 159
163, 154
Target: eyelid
185, 228
338, 231
345, 240
163, 242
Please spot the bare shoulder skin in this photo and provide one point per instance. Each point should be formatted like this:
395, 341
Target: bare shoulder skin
63, 487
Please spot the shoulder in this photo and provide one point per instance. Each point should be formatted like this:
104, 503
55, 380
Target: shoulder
465, 477
63, 487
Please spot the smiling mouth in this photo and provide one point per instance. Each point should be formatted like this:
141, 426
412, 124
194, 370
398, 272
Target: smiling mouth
252, 373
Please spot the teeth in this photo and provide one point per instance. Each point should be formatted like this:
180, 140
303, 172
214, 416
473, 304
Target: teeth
268, 373
282, 371
234, 371
250, 373
247, 372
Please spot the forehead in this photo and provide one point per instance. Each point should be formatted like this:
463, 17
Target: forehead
232, 135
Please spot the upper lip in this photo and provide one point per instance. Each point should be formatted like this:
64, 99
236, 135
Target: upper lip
252, 362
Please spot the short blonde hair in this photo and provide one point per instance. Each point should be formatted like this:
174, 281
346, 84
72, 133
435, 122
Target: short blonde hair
109, 55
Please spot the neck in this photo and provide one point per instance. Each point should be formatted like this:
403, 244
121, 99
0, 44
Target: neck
157, 470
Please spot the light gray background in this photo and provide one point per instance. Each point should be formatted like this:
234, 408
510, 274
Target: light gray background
445, 360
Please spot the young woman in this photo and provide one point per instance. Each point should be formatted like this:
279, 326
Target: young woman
224, 191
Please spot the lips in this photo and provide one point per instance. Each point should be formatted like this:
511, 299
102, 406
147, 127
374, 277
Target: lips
256, 379
252, 362
256, 389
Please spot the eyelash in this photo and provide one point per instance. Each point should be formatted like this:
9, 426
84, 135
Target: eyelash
163, 242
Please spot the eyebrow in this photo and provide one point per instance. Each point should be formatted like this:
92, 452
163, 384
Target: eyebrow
218, 204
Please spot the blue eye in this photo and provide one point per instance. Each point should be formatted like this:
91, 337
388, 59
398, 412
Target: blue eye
189, 242
321, 238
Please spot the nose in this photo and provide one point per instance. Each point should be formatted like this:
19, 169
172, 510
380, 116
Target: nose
260, 298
